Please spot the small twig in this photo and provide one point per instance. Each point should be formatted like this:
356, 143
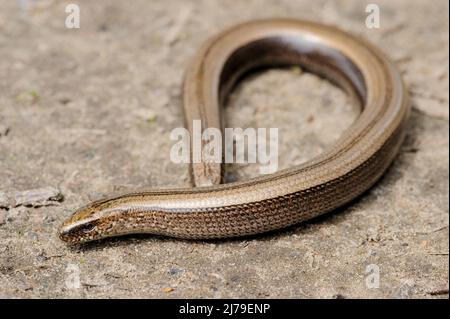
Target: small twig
4, 130
439, 229
113, 276
92, 285
438, 292
433, 231
54, 256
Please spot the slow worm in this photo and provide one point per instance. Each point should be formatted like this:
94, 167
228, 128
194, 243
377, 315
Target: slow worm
341, 173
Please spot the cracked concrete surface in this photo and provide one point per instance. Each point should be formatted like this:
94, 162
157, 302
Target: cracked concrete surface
89, 112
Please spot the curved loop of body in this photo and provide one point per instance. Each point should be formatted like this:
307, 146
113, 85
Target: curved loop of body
351, 166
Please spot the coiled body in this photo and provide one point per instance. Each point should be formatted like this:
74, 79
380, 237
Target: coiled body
354, 163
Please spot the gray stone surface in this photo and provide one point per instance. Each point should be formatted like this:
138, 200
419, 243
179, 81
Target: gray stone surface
89, 112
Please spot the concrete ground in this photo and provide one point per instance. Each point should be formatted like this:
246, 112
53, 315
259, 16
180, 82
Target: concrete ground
87, 112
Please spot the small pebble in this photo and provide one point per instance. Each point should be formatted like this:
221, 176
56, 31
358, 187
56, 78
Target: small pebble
176, 271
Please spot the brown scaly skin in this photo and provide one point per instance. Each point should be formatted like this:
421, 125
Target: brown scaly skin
356, 161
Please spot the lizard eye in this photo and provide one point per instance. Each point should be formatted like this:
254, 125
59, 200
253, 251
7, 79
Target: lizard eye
88, 228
